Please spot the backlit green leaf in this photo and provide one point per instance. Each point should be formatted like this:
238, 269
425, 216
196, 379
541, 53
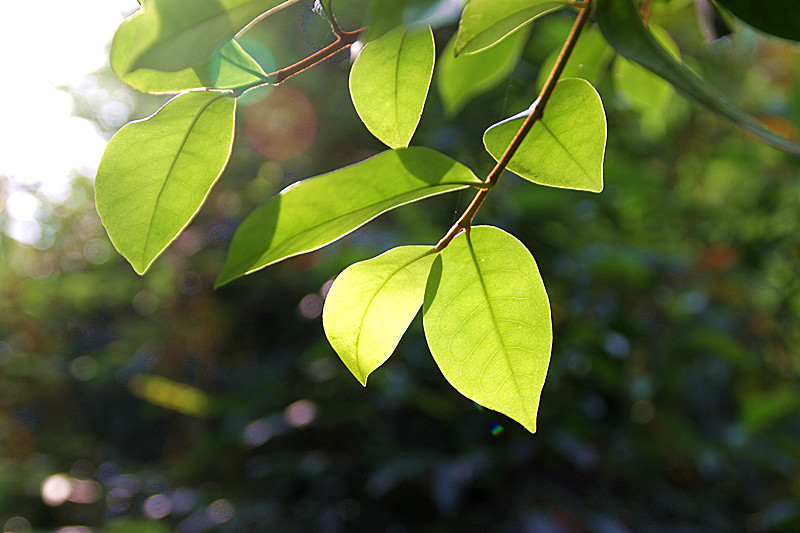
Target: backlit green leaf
484, 23
389, 83
312, 213
326, 7
563, 149
156, 173
172, 35
621, 23
371, 304
229, 68
487, 321
462, 78
777, 17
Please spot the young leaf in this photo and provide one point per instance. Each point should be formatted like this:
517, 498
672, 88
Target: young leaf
172, 35
371, 304
389, 83
326, 7
229, 68
487, 322
312, 213
566, 147
462, 78
485, 23
777, 17
621, 23
156, 173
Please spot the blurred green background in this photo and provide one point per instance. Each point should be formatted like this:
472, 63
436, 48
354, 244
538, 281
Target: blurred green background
154, 404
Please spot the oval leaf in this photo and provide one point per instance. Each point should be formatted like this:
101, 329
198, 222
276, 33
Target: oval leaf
172, 35
563, 149
371, 304
462, 78
621, 23
487, 322
311, 213
229, 68
156, 173
776, 17
389, 83
485, 23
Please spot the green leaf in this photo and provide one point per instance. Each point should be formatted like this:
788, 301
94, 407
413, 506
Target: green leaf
588, 60
371, 304
460, 79
563, 149
487, 322
776, 17
229, 68
389, 83
172, 35
156, 173
621, 23
485, 23
312, 213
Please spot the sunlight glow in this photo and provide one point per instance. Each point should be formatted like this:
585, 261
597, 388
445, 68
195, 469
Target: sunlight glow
49, 47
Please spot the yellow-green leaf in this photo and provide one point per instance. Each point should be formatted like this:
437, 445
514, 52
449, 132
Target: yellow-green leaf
487, 321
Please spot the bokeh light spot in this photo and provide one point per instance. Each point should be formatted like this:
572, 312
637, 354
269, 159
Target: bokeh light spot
83, 368
281, 125
220, 511
643, 411
301, 413
145, 302
497, 429
56, 489
17, 524
97, 251
157, 506
310, 306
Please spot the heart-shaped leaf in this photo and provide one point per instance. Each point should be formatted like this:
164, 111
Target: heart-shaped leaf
312, 213
371, 304
563, 149
389, 83
156, 173
487, 321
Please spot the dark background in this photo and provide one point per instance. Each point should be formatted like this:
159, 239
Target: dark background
672, 400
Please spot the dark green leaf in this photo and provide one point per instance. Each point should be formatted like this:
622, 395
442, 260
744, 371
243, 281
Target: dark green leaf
485, 23
459, 79
563, 149
312, 213
487, 321
172, 35
389, 83
156, 173
777, 17
622, 25
371, 304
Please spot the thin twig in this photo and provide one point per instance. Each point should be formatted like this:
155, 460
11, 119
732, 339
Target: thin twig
537, 111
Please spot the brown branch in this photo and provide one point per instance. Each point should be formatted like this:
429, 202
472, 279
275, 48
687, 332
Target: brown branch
536, 113
343, 40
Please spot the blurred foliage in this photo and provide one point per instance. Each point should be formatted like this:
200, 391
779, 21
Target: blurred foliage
155, 404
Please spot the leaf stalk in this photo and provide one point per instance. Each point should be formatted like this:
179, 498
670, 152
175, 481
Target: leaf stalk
536, 113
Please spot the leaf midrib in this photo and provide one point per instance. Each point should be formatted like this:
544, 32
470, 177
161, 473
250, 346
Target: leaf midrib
174, 161
458, 184
496, 329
